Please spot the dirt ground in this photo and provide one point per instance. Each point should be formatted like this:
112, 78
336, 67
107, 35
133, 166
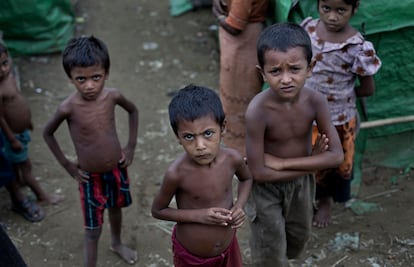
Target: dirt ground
154, 54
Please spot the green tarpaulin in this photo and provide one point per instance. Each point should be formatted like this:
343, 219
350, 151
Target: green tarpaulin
34, 27
389, 25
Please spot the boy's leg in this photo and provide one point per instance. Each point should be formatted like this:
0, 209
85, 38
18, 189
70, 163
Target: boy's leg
23, 205
25, 169
91, 246
268, 240
298, 215
115, 220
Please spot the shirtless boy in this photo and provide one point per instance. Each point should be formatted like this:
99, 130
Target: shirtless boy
279, 147
15, 127
201, 179
101, 167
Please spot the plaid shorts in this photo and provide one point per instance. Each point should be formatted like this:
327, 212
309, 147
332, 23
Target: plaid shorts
103, 190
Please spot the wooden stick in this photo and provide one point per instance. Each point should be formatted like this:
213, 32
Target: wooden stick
381, 194
340, 260
382, 122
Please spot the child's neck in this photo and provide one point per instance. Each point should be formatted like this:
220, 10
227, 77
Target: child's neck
334, 37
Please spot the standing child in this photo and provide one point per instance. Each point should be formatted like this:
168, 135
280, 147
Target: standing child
241, 23
201, 181
341, 54
15, 127
101, 167
279, 149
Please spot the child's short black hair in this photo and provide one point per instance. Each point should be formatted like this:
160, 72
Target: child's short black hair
85, 52
281, 37
194, 102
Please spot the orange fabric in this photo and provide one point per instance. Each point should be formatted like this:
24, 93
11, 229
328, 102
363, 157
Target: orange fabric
347, 135
242, 12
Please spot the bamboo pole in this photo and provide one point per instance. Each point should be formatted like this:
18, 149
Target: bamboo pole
383, 122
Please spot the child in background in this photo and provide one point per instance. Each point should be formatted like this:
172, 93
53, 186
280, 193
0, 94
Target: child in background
15, 127
201, 180
241, 22
101, 167
279, 149
341, 55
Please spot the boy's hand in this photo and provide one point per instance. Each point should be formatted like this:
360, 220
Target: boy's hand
76, 173
238, 217
321, 144
216, 216
273, 162
16, 145
126, 158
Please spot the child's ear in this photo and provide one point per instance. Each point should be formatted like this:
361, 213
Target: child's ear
310, 68
260, 70
223, 127
356, 7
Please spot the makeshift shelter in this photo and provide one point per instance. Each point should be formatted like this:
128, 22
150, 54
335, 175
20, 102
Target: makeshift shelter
36, 27
386, 136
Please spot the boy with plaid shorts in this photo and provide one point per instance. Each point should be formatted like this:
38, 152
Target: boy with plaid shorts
101, 165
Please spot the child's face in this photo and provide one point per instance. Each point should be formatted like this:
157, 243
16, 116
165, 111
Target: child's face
200, 138
5, 66
286, 72
335, 14
89, 81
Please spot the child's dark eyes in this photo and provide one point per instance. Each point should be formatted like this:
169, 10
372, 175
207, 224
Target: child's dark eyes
96, 77
341, 11
208, 133
325, 9
188, 137
274, 71
80, 79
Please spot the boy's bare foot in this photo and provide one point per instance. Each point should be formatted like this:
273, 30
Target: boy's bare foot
322, 218
51, 199
128, 255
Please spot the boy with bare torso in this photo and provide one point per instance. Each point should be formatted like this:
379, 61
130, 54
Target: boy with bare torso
16, 124
279, 146
201, 182
101, 161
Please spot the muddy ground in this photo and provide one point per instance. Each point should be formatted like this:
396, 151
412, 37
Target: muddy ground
154, 54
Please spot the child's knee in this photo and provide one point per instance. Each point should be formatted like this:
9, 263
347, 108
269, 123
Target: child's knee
93, 234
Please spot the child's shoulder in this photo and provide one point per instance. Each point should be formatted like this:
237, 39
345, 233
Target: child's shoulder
231, 154
9, 84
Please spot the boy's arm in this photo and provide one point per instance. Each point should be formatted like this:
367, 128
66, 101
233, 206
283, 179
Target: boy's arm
330, 157
244, 186
48, 135
255, 127
15, 144
161, 207
133, 120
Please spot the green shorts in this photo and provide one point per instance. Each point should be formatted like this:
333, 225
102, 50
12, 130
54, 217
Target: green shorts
17, 156
281, 221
